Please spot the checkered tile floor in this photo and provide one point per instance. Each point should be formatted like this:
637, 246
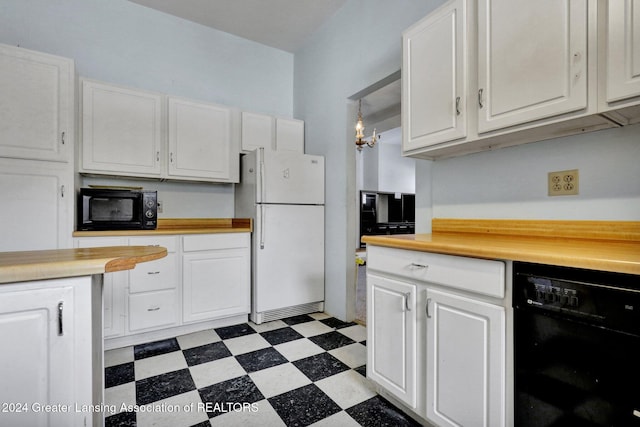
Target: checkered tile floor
300, 371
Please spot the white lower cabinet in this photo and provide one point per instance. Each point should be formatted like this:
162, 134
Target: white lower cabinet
465, 361
392, 337
436, 335
47, 353
216, 276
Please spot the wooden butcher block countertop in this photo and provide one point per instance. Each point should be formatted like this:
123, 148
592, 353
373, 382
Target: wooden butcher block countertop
596, 245
58, 263
181, 226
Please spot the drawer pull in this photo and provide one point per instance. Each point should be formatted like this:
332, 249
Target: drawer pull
415, 265
153, 309
153, 272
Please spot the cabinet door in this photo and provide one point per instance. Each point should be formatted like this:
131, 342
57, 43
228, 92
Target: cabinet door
290, 135
37, 364
465, 361
200, 144
623, 49
216, 284
37, 205
121, 130
391, 337
114, 287
257, 131
532, 60
435, 78
36, 106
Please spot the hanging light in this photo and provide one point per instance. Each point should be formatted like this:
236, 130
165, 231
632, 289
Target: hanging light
360, 141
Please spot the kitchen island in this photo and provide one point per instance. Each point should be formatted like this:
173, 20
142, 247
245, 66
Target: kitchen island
51, 329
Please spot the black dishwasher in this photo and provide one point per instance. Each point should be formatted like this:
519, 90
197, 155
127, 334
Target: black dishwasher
576, 347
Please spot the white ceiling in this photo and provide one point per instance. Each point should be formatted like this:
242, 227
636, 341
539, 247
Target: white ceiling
283, 24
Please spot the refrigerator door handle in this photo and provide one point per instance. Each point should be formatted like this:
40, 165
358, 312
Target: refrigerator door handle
262, 186
262, 211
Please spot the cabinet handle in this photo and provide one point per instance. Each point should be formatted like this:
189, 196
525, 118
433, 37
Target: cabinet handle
406, 302
62, 191
153, 309
427, 308
62, 138
457, 106
157, 156
171, 157
480, 98
415, 265
153, 272
60, 326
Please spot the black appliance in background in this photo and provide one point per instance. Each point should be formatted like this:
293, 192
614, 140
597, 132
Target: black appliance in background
576, 347
384, 213
117, 209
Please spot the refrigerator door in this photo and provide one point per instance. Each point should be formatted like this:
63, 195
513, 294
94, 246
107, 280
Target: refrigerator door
288, 256
288, 177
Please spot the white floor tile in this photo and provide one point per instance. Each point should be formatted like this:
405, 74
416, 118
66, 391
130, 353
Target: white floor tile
118, 356
352, 355
156, 365
279, 379
209, 373
341, 419
246, 343
268, 326
260, 414
319, 316
197, 339
347, 388
116, 396
177, 411
356, 332
309, 329
298, 349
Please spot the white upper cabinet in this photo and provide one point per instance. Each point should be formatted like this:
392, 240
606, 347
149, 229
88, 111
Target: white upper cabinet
435, 77
289, 135
36, 105
532, 60
121, 130
257, 131
200, 140
620, 60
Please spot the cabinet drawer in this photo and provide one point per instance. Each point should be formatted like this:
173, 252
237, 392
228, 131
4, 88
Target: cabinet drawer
486, 277
154, 275
205, 242
152, 310
169, 242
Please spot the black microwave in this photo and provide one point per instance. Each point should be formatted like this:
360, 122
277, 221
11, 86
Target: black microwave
117, 209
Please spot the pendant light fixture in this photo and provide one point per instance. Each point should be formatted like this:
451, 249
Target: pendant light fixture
360, 141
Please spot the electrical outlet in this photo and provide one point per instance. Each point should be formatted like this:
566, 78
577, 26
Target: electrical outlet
563, 183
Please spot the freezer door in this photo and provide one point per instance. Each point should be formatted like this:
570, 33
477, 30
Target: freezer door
288, 256
289, 177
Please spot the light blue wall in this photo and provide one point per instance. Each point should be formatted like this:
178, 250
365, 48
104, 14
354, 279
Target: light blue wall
122, 42
359, 46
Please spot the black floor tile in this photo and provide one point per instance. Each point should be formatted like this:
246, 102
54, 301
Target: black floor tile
336, 323
155, 348
123, 419
235, 331
331, 340
362, 370
377, 412
151, 389
320, 366
221, 397
261, 359
303, 318
303, 406
282, 335
119, 374
206, 353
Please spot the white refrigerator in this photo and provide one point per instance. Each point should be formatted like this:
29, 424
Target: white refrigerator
283, 192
